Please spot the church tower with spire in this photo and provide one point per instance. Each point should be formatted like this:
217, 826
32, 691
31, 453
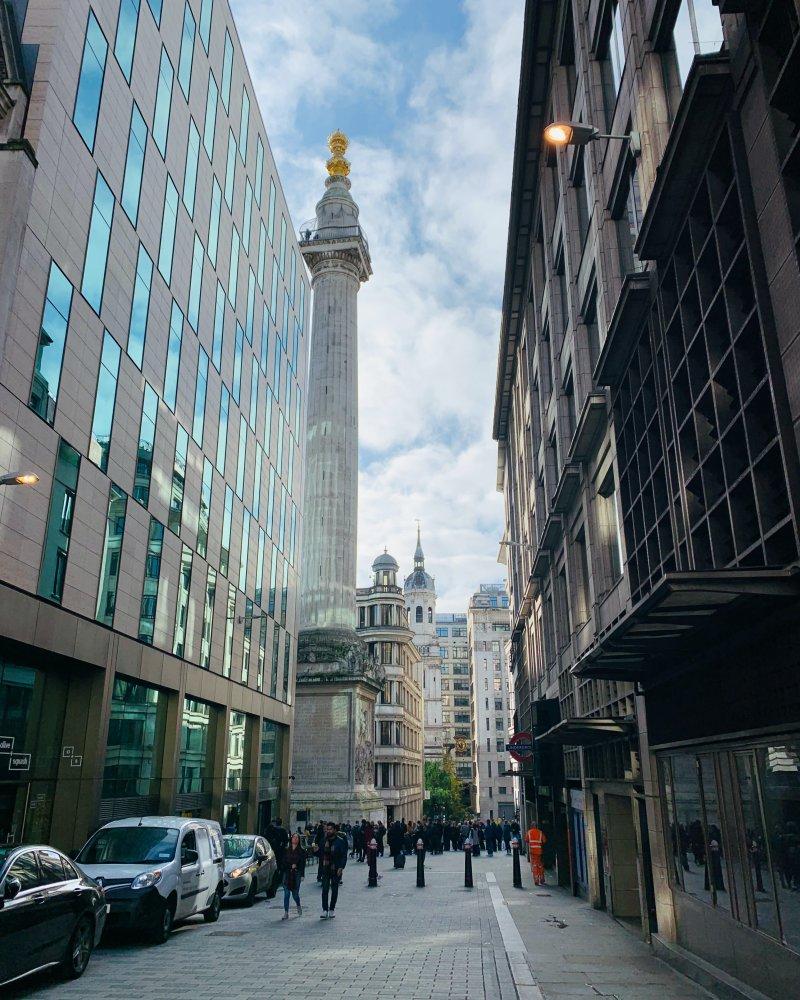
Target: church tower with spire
420, 594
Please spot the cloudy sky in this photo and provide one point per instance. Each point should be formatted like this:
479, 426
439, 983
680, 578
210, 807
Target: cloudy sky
426, 90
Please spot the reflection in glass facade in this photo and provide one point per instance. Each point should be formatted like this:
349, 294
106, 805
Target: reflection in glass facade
179, 643
90, 83
147, 439
52, 338
112, 552
235, 781
135, 745
208, 618
274, 741
152, 576
103, 420
59, 523
195, 765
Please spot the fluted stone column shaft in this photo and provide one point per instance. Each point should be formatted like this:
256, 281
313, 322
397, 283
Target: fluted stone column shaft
331, 484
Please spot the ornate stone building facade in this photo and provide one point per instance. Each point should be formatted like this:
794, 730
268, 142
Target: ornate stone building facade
420, 594
399, 732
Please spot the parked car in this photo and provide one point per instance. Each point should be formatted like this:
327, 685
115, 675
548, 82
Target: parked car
156, 870
250, 867
51, 914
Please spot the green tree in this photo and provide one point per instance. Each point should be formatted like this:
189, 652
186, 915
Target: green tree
443, 784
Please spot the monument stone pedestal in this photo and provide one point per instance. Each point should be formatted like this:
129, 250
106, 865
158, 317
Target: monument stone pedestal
334, 759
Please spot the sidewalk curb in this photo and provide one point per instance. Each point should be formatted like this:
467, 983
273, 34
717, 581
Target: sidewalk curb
524, 980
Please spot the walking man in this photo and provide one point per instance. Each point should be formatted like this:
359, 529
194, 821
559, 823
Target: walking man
333, 858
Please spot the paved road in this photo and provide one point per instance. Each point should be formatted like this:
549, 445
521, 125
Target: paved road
439, 943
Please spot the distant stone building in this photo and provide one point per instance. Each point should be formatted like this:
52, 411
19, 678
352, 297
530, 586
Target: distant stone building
487, 631
420, 597
383, 624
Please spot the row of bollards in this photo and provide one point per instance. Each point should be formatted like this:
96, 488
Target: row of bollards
372, 859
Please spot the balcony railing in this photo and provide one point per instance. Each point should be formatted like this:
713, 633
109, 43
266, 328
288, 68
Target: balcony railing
309, 233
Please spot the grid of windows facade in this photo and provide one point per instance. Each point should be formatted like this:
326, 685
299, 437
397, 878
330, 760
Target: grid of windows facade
137, 277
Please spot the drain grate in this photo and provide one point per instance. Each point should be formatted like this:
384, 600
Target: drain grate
227, 933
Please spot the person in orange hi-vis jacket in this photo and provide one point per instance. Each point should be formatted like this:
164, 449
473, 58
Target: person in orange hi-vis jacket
536, 842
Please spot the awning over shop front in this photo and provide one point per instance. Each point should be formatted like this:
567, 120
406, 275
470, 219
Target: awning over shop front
684, 615
584, 732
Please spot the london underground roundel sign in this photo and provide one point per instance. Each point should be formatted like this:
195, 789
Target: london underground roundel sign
520, 746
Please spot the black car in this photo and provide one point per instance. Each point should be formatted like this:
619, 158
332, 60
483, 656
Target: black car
50, 913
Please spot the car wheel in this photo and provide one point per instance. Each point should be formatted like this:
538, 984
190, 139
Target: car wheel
252, 892
211, 915
79, 950
162, 928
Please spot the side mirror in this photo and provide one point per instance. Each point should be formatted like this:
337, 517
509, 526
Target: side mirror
12, 889
189, 856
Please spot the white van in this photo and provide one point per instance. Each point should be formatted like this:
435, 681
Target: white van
156, 870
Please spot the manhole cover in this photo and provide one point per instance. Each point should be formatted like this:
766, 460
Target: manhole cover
227, 933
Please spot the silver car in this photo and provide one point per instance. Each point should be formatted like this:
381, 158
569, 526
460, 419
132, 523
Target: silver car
250, 867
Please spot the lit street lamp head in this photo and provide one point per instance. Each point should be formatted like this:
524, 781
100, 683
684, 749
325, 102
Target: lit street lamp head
570, 134
19, 479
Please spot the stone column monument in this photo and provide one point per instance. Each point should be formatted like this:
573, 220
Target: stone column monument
338, 682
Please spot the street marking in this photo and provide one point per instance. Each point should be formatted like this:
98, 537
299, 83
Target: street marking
512, 942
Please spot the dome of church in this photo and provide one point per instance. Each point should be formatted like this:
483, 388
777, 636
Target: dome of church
419, 579
387, 562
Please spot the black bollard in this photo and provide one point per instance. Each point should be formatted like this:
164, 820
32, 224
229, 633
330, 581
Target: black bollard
372, 859
515, 864
420, 865
467, 865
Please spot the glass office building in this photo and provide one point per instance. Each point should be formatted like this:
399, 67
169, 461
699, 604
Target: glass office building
153, 343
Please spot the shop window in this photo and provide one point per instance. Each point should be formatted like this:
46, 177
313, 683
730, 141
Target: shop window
196, 748
757, 846
135, 742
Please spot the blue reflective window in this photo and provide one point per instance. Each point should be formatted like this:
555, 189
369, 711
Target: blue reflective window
140, 305
227, 517
276, 376
253, 395
282, 523
125, 41
112, 549
219, 327
94, 265
213, 222
233, 269
251, 305
187, 51
259, 170
173, 362
155, 9
190, 171
257, 481
196, 284
175, 515
227, 71
264, 337
282, 264
262, 253
260, 568
230, 170
52, 339
293, 535
200, 390
222, 429
244, 552
90, 82
268, 398
152, 575
103, 419
271, 212
206, 10
298, 411
292, 275
237, 363
244, 125
273, 293
163, 103
168, 223
210, 126
205, 508
247, 215
273, 582
55, 551
241, 457
147, 441
271, 501
134, 165
285, 320
279, 452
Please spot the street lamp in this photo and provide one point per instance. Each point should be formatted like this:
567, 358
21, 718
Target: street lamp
578, 134
19, 479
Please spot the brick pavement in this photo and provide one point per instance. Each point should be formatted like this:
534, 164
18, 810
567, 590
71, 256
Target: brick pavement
438, 943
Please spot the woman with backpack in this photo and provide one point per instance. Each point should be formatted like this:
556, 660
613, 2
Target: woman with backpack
294, 869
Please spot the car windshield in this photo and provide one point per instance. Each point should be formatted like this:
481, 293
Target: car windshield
238, 847
130, 845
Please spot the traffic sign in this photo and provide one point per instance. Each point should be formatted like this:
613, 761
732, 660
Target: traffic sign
520, 746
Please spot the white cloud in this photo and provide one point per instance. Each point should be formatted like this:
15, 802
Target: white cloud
433, 192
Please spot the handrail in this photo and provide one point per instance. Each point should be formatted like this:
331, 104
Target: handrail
308, 234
